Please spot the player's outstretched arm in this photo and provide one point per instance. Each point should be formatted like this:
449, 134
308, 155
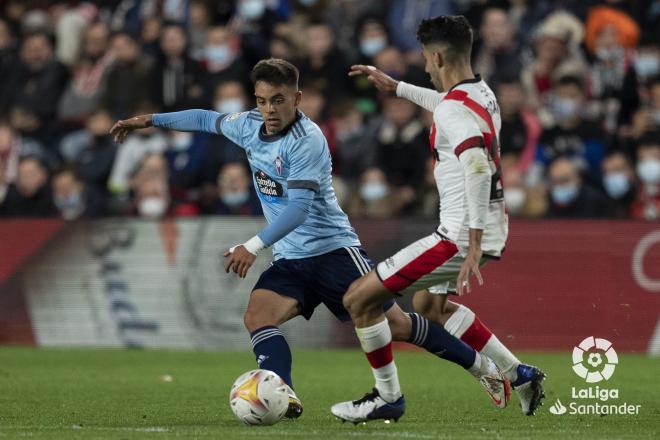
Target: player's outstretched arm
423, 97
187, 120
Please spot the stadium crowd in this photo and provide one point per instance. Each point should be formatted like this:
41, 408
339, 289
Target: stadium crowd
578, 84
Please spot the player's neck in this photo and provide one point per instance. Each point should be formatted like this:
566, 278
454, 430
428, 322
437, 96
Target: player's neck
455, 75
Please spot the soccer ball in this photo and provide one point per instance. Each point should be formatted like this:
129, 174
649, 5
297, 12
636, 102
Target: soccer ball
259, 397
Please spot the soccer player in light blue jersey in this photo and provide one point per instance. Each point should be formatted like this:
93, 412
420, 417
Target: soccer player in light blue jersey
317, 254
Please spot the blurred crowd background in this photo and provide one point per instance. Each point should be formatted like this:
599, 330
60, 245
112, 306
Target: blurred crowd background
578, 84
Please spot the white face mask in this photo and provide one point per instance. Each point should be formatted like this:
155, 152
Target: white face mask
647, 66
232, 105
152, 207
182, 140
514, 199
648, 171
371, 191
372, 46
251, 9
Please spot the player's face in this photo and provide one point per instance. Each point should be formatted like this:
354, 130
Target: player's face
432, 67
277, 105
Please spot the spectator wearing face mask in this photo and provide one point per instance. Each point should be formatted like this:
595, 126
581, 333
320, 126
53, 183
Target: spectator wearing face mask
177, 77
235, 191
636, 84
647, 202
570, 197
619, 182
355, 140
221, 58
73, 199
572, 135
375, 198
520, 200
372, 39
30, 194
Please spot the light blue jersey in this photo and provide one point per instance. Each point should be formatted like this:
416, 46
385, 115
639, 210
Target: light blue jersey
297, 157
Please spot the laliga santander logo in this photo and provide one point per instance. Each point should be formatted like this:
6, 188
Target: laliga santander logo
594, 359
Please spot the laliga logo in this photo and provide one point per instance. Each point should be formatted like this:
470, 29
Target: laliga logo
600, 358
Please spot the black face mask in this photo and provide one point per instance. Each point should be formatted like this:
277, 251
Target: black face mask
100, 139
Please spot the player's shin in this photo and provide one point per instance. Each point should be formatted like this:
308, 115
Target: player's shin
436, 340
465, 325
272, 352
376, 341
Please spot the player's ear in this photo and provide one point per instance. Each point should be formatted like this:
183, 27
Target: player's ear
298, 97
438, 59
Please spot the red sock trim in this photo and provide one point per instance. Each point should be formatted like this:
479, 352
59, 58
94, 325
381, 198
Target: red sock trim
477, 335
381, 356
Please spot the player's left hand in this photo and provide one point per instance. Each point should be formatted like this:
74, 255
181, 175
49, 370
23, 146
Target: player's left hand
239, 260
470, 267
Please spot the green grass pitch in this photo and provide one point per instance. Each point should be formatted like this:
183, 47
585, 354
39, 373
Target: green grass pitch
72, 394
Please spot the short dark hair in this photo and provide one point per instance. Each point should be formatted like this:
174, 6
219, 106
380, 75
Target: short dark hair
453, 30
275, 71
571, 80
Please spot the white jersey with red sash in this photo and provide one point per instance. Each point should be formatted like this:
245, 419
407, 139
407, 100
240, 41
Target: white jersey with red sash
468, 117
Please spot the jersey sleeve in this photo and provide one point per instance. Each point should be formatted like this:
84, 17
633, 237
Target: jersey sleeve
307, 157
459, 126
235, 126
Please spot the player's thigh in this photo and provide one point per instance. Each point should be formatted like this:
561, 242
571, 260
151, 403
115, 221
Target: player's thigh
418, 266
267, 307
367, 294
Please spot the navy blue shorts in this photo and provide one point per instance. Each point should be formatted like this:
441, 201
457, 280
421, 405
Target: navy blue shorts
321, 279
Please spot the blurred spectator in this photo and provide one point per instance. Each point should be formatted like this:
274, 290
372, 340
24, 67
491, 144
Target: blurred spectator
402, 144
35, 87
647, 119
230, 97
151, 197
375, 199
96, 159
70, 22
372, 39
128, 83
647, 203
177, 83
324, 67
8, 59
84, 91
236, 193
222, 60
520, 200
405, 15
199, 20
73, 198
570, 197
497, 53
572, 135
619, 182
556, 55
355, 140
282, 47
429, 199
619, 24
635, 90
132, 151
612, 63
521, 129
30, 194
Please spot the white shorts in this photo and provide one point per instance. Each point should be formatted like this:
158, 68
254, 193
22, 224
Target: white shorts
431, 263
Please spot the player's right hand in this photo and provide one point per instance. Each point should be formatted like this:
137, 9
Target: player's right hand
381, 80
122, 128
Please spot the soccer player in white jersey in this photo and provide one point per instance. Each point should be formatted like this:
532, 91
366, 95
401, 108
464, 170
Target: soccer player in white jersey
473, 225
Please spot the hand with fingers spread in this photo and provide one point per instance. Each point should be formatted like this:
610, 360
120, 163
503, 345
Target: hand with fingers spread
239, 259
122, 128
470, 267
381, 80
